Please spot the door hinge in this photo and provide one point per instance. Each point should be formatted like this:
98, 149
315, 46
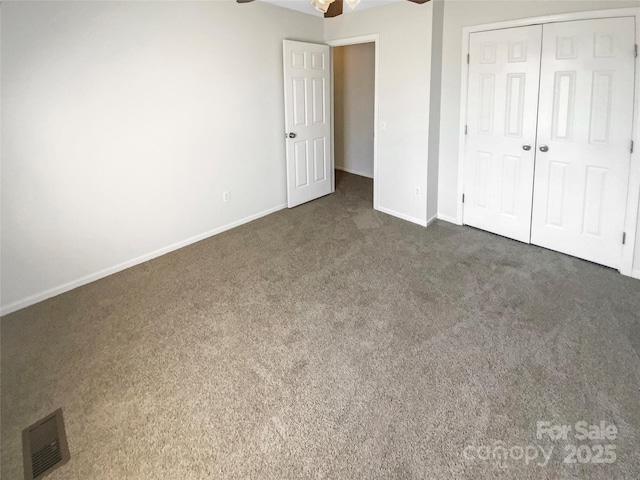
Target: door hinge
635, 50
465, 129
463, 198
624, 237
468, 57
631, 146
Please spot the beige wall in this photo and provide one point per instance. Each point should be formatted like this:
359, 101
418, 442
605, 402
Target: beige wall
123, 123
353, 84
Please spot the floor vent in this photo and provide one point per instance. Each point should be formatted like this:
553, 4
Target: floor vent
45, 446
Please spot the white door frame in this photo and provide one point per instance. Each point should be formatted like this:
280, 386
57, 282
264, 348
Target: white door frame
633, 195
375, 39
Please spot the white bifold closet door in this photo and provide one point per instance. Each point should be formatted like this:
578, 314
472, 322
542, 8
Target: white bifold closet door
585, 120
549, 129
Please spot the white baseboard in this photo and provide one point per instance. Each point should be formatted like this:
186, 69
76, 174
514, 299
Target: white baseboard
432, 219
636, 273
355, 172
449, 219
402, 216
92, 277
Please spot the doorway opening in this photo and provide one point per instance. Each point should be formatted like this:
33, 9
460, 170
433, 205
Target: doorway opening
355, 114
353, 107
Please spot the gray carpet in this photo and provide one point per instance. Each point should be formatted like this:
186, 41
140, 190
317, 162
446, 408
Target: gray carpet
332, 341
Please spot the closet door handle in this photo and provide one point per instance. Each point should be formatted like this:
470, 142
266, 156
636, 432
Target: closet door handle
544, 148
526, 147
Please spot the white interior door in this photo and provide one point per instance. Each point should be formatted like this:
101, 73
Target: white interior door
584, 135
501, 130
307, 98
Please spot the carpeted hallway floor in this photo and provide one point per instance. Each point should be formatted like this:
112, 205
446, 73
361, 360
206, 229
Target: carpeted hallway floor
332, 341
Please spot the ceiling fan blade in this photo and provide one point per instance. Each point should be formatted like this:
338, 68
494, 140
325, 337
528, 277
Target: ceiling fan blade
244, 1
334, 10
419, 1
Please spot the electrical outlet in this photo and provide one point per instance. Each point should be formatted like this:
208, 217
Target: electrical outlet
417, 191
225, 197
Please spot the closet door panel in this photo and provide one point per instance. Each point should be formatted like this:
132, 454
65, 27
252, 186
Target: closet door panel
501, 120
584, 134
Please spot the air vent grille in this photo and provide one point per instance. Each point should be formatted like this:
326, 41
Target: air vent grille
45, 446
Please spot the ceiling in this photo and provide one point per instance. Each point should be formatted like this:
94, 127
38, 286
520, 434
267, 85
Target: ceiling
305, 5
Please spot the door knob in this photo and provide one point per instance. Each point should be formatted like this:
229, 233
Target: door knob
526, 147
544, 148
292, 135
